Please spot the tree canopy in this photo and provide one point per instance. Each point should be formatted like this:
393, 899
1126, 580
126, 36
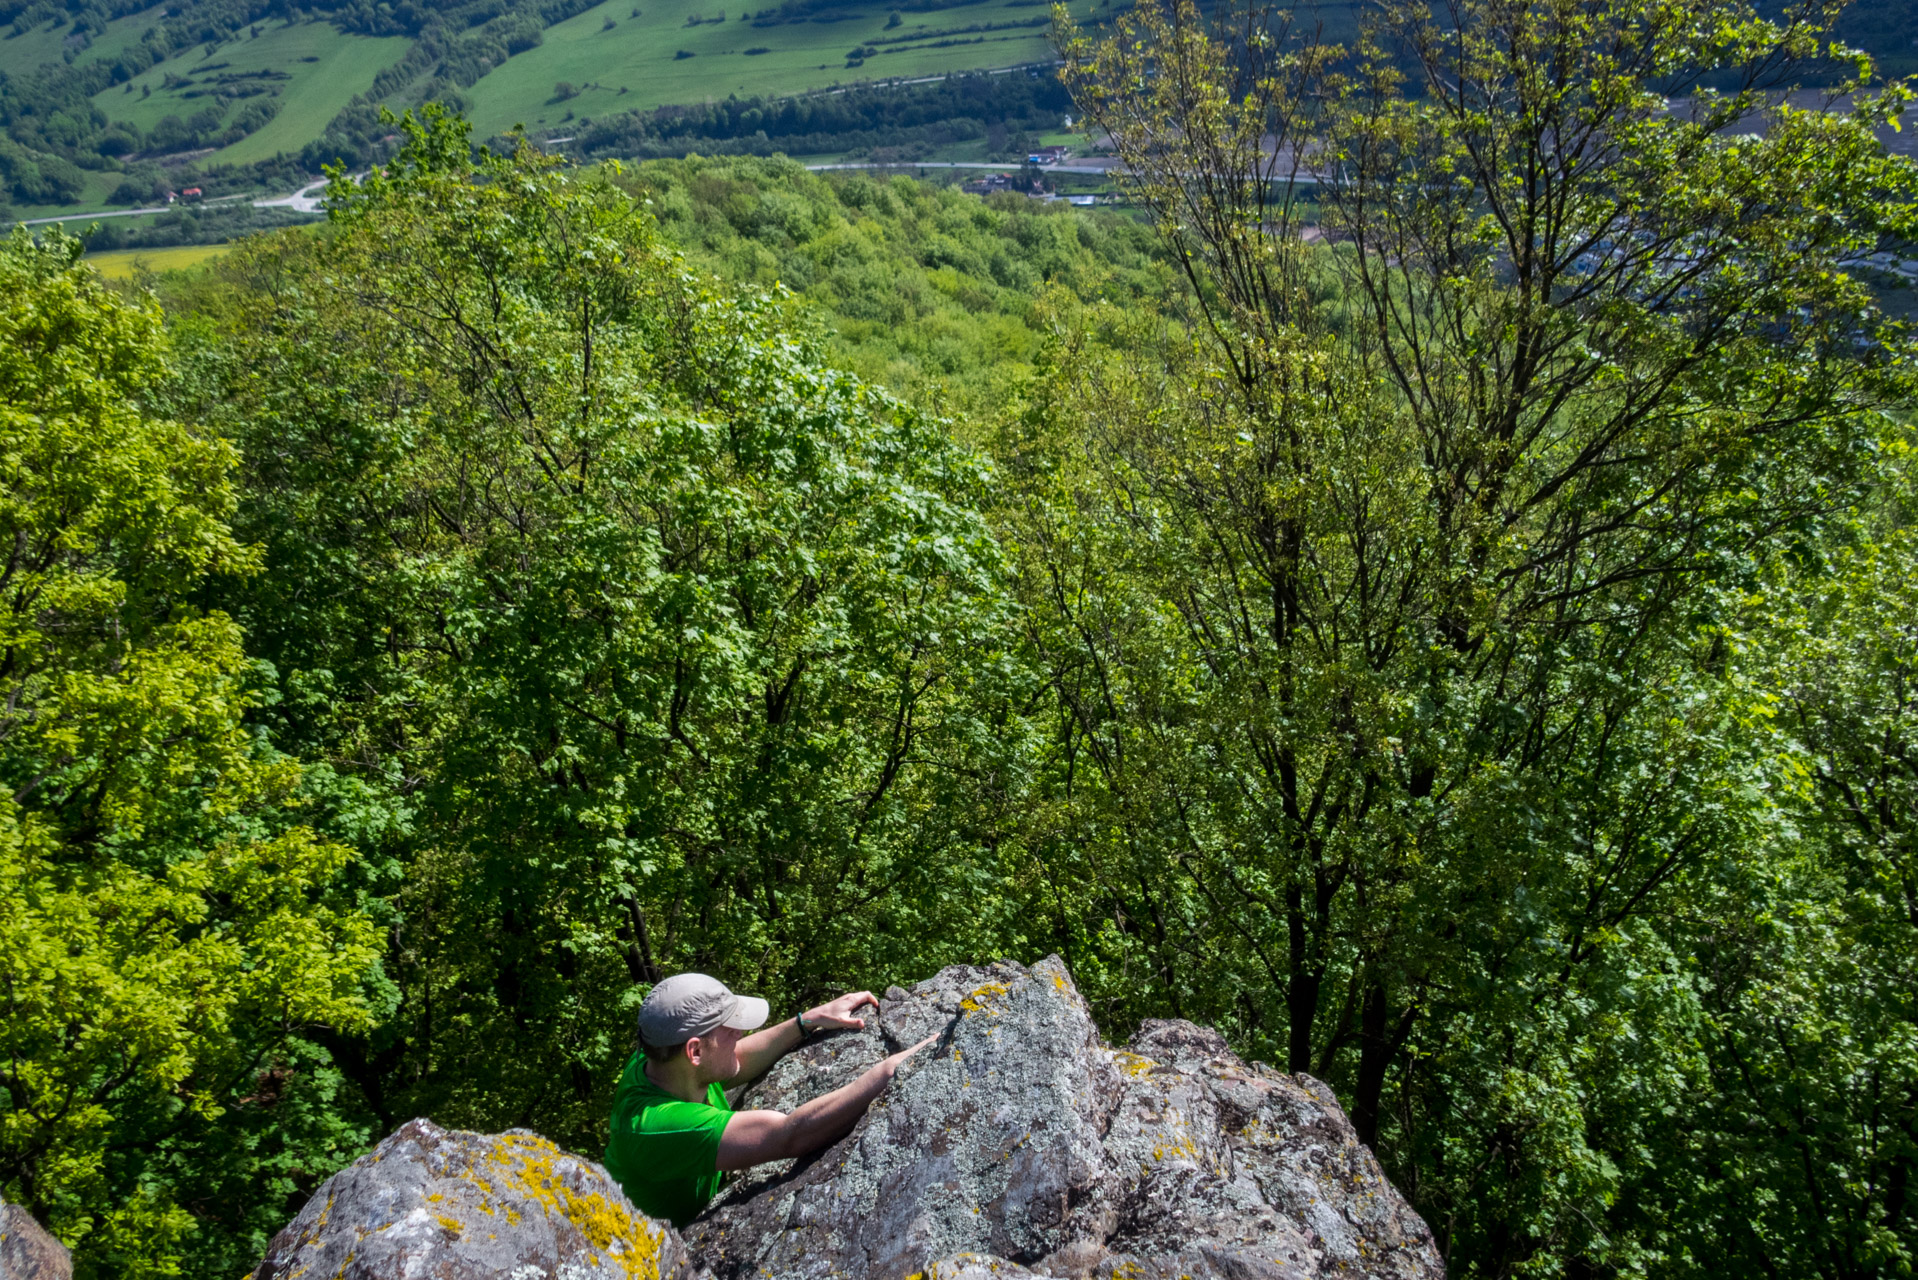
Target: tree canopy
1435, 600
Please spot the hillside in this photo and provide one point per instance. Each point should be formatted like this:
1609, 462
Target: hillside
687, 51
110, 108
308, 72
104, 112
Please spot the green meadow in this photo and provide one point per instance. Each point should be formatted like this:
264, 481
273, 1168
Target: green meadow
313, 67
617, 62
50, 41
124, 264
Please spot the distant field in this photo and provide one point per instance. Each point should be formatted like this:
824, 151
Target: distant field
315, 69
122, 263
641, 55
49, 42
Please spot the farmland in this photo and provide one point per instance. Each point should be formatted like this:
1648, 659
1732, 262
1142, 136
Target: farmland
689, 50
51, 41
617, 56
123, 264
312, 68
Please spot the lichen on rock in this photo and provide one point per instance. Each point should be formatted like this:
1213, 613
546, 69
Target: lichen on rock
28, 1251
453, 1205
1016, 1146
1019, 1144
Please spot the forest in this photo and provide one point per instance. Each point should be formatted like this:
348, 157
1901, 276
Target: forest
1434, 596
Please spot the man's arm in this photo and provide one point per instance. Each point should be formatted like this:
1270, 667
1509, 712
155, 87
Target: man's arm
754, 1137
758, 1051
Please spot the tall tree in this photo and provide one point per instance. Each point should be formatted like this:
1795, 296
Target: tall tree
1389, 724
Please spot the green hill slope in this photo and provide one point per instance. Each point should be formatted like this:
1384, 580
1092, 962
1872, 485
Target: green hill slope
50, 41
308, 71
686, 51
100, 111
103, 111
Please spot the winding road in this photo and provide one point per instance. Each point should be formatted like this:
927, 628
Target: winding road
302, 201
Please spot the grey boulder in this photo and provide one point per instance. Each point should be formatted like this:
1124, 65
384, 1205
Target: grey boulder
27, 1250
1018, 1144
451, 1205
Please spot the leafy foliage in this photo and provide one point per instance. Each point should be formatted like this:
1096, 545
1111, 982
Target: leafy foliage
164, 922
951, 109
682, 649
1466, 656
1381, 621
927, 290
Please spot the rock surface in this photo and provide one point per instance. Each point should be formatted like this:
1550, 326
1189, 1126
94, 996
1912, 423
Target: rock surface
27, 1251
440, 1203
1018, 1144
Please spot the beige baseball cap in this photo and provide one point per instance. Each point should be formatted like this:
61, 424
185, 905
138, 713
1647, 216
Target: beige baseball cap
692, 1004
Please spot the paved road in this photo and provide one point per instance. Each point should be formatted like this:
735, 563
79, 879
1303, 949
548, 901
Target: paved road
301, 201
89, 217
1098, 167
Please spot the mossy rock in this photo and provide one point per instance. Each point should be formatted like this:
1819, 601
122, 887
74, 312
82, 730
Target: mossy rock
452, 1205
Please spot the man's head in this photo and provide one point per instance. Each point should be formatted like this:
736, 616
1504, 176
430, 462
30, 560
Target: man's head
694, 1017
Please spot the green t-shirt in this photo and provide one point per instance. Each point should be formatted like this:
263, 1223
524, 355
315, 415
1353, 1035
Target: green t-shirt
665, 1150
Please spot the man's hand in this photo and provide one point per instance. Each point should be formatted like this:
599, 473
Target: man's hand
840, 1014
898, 1059
761, 1049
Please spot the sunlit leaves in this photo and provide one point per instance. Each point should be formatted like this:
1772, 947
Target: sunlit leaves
163, 922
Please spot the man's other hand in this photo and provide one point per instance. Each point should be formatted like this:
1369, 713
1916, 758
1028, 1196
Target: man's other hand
839, 1014
762, 1048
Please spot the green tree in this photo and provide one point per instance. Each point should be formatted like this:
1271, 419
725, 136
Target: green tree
1800, 1157
680, 648
1393, 730
165, 925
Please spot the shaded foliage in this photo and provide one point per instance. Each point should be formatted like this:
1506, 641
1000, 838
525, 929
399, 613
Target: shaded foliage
680, 649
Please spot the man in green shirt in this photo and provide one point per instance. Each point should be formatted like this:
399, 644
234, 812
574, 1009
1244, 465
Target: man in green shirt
673, 1134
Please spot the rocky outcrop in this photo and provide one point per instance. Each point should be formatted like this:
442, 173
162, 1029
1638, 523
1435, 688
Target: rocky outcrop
27, 1251
1019, 1144
461, 1206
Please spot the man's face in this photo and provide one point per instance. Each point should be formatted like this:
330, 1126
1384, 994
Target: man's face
716, 1056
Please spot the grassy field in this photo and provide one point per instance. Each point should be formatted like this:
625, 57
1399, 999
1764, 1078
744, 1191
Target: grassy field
636, 62
49, 42
313, 68
124, 264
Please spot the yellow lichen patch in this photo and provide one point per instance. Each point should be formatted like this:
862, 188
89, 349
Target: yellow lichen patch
1184, 1147
451, 1224
435, 1198
1132, 1064
529, 1165
976, 1001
